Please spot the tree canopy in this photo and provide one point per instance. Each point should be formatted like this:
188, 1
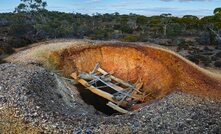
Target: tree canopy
31, 5
217, 10
32, 22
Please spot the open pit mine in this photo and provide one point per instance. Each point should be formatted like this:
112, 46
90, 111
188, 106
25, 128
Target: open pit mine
83, 86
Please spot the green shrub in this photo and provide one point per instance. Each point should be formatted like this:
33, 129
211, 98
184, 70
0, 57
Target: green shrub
130, 38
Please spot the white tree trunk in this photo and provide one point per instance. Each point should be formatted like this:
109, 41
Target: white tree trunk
165, 30
218, 38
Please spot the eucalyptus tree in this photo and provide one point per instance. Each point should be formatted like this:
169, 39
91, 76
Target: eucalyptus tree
35, 15
31, 5
165, 21
190, 21
217, 11
217, 26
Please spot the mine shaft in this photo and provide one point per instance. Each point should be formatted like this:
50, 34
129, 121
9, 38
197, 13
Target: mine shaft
116, 91
110, 82
110, 66
126, 77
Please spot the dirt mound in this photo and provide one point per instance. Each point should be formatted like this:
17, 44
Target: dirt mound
32, 100
162, 72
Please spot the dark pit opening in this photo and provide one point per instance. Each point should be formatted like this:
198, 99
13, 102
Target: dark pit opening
96, 101
2, 61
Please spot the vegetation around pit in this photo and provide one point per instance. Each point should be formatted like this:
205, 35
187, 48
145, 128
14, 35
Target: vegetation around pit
32, 22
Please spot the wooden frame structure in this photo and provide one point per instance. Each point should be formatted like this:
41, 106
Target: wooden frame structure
123, 95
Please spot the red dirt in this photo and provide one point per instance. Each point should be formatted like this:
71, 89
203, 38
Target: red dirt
161, 71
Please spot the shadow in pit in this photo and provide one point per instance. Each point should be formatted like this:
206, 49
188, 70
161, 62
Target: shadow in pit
99, 103
2, 61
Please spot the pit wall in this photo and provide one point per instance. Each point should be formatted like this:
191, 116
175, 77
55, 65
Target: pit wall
161, 70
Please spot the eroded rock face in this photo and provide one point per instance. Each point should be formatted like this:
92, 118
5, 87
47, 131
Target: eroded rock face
160, 70
127, 63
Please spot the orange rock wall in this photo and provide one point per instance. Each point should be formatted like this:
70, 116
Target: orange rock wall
161, 70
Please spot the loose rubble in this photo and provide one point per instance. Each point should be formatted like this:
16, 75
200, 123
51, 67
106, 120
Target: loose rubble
39, 101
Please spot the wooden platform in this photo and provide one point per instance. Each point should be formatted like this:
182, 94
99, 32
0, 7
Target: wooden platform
120, 94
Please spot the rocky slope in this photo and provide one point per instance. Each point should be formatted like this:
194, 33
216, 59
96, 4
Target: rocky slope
34, 99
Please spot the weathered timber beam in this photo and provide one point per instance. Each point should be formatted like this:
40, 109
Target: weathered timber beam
85, 76
96, 91
117, 108
97, 78
95, 68
109, 84
138, 87
114, 78
119, 89
119, 80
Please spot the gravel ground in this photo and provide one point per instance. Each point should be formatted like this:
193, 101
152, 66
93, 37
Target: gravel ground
42, 99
